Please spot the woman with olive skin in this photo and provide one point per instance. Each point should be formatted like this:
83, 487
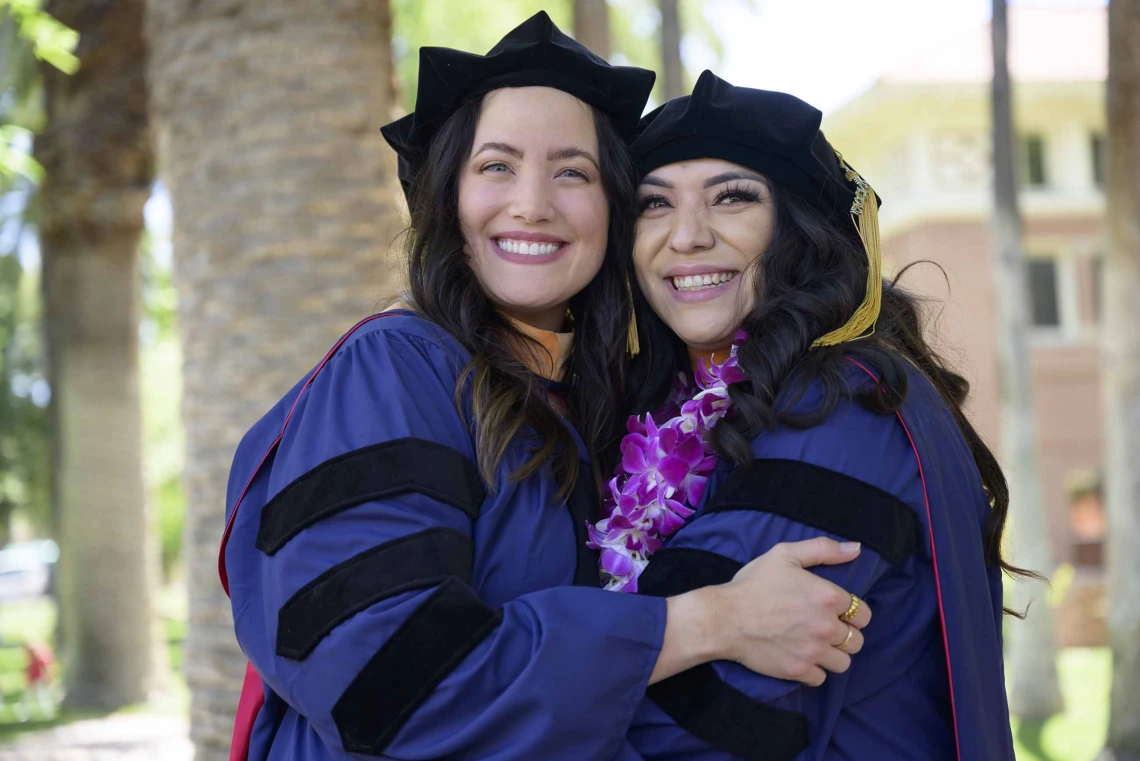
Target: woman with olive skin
757, 250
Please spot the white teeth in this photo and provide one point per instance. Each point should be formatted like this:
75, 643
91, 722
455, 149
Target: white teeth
697, 282
527, 249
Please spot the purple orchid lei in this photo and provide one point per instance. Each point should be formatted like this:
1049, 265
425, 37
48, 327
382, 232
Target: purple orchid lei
663, 472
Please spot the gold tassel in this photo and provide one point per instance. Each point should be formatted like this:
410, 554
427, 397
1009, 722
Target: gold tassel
632, 345
865, 216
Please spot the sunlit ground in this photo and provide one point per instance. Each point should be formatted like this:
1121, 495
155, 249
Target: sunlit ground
1078, 733
34, 621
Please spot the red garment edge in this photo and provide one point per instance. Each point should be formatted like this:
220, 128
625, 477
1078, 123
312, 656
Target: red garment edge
252, 695
934, 561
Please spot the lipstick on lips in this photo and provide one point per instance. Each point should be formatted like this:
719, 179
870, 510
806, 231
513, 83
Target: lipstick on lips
528, 247
699, 282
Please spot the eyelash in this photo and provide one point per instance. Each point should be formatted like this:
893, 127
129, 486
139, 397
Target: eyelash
743, 194
503, 166
750, 196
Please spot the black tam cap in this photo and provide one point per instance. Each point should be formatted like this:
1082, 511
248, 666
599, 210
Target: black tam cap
777, 135
769, 132
534, 54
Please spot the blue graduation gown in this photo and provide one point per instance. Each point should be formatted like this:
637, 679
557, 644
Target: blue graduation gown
929, 682
395, 606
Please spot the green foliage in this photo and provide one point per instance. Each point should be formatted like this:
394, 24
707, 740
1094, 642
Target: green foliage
15, 161
27, 34
474, 27
1078, 733
161, 385
24, 452
35, 621
635, 30
51, 41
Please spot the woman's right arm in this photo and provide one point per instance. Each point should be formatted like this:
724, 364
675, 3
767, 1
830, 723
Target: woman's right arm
352, 590
352, 587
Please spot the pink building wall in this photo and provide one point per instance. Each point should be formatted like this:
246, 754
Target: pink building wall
1065, 374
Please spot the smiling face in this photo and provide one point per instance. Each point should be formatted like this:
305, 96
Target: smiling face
532, 207
703, 226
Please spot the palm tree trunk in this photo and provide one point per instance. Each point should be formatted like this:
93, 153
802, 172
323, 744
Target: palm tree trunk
98, 159
671, 49
285, 206
1121, 371
1034, 693
592, 25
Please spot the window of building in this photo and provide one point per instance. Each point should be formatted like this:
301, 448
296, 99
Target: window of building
1044, 299
1032, 162
1086, 519
1097, 148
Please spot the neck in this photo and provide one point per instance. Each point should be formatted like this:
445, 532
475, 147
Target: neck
544, 318
708, 355
548, 359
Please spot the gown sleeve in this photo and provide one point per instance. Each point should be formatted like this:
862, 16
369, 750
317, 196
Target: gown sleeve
359, 610
841, 479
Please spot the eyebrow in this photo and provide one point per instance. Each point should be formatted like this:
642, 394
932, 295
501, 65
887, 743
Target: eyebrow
711, 181
571, 152
557, 154
503, 147
656, 182
735, 175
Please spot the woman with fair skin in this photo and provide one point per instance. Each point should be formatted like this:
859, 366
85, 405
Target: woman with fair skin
408, 566
825, 414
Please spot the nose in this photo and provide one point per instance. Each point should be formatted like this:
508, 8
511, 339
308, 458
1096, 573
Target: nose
532, 200
690, 232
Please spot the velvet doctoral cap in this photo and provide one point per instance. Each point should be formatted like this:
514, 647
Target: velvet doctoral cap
777, 135
534, 54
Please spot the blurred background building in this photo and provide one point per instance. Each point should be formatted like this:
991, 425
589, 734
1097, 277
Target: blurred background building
922, 134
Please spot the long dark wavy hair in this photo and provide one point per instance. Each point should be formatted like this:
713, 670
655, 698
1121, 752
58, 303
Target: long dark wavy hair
808, 282
508, 400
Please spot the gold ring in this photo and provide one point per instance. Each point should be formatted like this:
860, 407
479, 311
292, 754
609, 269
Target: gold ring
851, 611
850, 634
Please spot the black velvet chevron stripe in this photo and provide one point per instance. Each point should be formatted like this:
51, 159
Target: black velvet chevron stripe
823, 499
674, 570
698, 699
416, 561
412, 663
727, 719
382, 470
583, 508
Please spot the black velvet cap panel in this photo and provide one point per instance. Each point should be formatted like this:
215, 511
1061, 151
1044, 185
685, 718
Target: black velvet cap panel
534, 54
773, 133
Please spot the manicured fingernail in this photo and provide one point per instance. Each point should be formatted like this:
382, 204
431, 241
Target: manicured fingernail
850, 546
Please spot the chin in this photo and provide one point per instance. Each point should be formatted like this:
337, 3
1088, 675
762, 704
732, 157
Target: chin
700, 335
